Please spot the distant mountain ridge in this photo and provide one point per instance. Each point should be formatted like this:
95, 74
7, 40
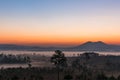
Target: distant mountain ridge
97, 46
88, 46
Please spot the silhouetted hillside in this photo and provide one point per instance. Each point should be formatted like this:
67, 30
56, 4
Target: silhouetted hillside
30, 48
88, 46
97, 46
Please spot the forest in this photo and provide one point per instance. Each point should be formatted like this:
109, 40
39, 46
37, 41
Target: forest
86, 66
13, 59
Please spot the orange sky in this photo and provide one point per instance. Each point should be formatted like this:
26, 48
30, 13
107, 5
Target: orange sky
55, 41
64, 23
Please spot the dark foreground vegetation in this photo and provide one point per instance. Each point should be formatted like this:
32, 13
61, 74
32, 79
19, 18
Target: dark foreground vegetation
51, 74
87, 66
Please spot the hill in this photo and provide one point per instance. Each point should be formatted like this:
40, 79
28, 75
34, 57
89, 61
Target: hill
97, 46
88, 46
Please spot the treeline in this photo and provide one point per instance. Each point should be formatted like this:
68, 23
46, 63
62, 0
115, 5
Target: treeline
13, 59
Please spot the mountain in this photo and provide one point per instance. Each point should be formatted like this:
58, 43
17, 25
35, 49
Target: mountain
96, 46
88, 46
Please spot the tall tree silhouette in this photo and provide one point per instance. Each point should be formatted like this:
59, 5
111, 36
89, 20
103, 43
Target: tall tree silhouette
1, 77
68, 77
59, 60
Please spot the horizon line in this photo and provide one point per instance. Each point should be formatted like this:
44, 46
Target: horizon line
56, 45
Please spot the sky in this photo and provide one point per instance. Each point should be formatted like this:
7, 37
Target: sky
59, 22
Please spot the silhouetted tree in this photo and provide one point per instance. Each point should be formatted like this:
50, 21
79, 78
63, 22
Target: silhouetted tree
40, 78
68, 77
28, 59
15, 78
29, 65
118, 78
32, 77
101, 77
1, 77
112, 78
24, 78
87, 56
59, 60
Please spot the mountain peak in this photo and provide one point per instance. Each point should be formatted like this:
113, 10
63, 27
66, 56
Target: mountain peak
89, 42
93, 46
94, 43
100, 42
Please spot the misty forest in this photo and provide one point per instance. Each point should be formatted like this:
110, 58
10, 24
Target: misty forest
85, 66
59, 39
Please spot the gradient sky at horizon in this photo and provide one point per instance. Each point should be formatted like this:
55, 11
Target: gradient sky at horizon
59, 22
